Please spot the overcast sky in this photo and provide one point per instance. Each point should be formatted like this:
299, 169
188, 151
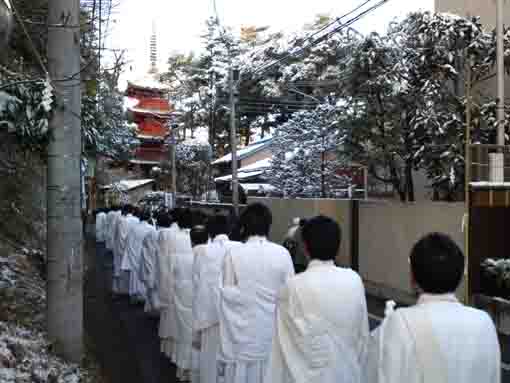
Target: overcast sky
180, 23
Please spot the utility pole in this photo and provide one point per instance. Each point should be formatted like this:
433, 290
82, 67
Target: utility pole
500, 71
233, 79
173, 143
467, 170
64, 235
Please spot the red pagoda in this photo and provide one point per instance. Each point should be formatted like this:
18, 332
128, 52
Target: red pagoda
149, 109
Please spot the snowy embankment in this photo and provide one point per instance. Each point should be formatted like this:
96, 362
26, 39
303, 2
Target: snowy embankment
25, 353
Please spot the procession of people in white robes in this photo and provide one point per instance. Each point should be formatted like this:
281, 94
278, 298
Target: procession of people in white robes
236, 312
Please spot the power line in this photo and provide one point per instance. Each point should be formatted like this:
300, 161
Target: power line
30, 41
264, 69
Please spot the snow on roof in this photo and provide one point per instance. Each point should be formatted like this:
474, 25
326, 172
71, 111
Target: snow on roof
127, 185
259, 165
485, 184
257, 187
245, 152
150, 111
240, 176
144, 162
130, 102
148, 82
252, 170
149, 137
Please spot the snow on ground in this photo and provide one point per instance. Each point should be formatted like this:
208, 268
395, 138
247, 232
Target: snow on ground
25, 353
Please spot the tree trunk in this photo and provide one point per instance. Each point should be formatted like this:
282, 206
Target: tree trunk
64, 236
409, 183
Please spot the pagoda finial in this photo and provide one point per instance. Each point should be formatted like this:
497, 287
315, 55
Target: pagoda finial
154, 49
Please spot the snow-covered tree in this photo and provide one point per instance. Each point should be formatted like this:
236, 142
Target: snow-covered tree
305, 161
437, 51
105, 128
193, 159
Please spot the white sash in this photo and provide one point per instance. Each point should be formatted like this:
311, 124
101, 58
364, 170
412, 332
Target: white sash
428, 352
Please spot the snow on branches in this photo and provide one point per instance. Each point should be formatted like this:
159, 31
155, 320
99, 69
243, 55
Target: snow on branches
193, 158
305, 161
25, 110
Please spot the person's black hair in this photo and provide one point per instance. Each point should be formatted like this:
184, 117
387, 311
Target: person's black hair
322, 237
199, 217
185, 219
125, 210
199, 235
145, 215
218, 224
256, 219
164, 219
437, 264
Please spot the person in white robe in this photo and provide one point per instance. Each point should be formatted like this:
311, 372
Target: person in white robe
132, 259
111, 224
438, 340
183, 296
322, 320
166, 260
149, 267
207, 268
121, 278
253, 276
100, 227
199, 240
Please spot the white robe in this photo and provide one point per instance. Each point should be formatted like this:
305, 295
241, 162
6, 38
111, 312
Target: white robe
149, 269
100, 227
121, 278
207, 267
254, 274
439, 340
321, 327
183, 298
167, 320
132, 259
111, 226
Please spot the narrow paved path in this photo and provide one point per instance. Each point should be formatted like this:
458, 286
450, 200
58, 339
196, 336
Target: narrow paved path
126, 340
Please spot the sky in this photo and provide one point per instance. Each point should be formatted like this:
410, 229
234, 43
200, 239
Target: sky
179, 24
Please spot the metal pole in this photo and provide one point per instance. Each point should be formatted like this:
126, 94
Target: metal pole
500, 72
233, 142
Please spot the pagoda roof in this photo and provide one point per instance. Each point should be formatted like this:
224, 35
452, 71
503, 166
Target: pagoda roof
150, 83
148, 137
158, 112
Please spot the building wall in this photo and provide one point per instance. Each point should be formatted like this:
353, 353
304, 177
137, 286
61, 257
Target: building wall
486, 9
285, 210
387, 232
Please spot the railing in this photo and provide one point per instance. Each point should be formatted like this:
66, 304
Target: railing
486, 167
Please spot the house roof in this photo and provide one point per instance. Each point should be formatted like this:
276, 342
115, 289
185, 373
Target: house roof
127, 185
257, 187
252, 170
246, 151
